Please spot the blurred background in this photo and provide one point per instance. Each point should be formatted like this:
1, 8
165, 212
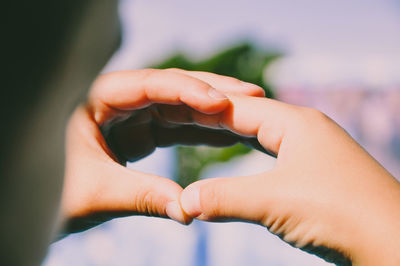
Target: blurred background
341, 57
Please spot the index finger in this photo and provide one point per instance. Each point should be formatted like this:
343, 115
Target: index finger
264, 118
224, 84
118, 92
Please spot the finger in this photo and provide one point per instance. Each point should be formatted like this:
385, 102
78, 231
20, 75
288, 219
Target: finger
268, 120
183, 115
126, 190
224, 84
95, 183
114, 93
230, 198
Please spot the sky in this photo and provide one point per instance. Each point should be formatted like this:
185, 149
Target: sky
324, 42
144, 241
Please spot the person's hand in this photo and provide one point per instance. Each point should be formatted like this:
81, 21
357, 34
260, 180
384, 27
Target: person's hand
97, 187
325, 195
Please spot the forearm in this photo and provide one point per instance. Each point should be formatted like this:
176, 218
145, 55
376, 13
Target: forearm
380, 241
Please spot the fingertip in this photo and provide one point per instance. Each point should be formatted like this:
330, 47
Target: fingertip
253, 89
175, 212
190, 201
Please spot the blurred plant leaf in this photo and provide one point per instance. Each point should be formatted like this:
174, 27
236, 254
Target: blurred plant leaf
191, 161
244, 61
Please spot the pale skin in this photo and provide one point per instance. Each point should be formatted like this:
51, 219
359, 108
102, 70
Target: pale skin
95, 183
325, 190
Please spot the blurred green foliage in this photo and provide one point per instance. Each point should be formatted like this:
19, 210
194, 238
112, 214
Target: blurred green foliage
244, 61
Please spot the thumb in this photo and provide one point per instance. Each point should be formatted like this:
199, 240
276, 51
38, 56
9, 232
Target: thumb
95, 184
214, 199
142, 193
116, 191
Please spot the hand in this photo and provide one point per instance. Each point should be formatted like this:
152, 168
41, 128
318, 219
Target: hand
325, 195
97, 188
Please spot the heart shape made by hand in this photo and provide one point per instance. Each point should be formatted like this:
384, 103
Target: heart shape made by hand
128, 115
312, 198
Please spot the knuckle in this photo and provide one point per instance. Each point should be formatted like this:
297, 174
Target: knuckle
313, 113
101, 83
146, 203
311, 117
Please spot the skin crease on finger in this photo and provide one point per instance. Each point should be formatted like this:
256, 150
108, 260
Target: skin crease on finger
147, 86
324, 192
45, 166
159, 85
95, 182
49, 156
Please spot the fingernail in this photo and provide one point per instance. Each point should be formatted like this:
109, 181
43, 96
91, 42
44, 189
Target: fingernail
97, 117
190, 201
174, 211
216, 94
